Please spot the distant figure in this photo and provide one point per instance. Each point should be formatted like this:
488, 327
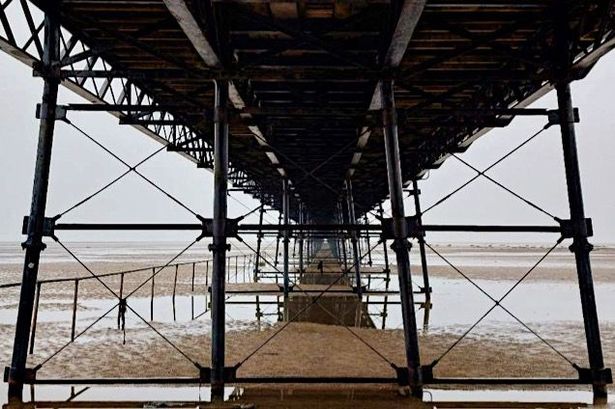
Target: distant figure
320, 266
121, 316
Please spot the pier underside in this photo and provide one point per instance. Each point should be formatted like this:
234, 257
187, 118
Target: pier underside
327, 112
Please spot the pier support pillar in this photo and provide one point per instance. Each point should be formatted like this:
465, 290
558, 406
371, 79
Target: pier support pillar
286, 238
34, 245
259, 240
421, 239
341, 219
301, 221
401, 245
580, 245
354, 240
219, 245
581, 227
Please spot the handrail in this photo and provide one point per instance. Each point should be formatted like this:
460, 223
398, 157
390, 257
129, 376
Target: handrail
90, 277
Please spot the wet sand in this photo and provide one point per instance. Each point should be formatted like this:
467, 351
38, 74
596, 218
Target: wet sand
298, 350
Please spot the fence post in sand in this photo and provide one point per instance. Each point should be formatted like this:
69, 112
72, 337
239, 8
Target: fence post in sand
219, 245
151, 303
192, 291
174, 292
34, 226
74, 319
401, 245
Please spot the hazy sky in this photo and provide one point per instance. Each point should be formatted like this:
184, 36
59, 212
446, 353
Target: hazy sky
79, 168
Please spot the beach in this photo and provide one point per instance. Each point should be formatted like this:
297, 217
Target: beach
546, 302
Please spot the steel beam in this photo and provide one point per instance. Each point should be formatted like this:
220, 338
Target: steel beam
219, 245
401, 245
34, 242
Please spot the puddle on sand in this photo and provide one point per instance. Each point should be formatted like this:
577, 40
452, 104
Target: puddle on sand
456, 305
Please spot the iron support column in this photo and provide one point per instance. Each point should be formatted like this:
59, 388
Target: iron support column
277, 241
34, 241
423, 253
367, 242
219, 245
259, 241
301, 221
353, 238
387, 272
580, 245
343, 234
286, 210
401, 245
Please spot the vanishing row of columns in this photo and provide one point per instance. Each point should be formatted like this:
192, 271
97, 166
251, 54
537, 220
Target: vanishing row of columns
34, 242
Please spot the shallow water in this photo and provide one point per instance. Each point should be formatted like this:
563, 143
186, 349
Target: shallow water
548, 306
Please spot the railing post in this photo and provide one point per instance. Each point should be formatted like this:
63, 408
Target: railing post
34, 241
401, 245
192, 291
151, 307
73, 327
175, 292
219, 245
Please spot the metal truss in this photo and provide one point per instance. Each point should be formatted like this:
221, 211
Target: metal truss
96, 80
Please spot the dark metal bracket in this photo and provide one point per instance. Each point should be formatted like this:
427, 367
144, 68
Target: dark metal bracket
569, 228
49, 224
602, 376
60, 112
554, 117
230, 374
29, 375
